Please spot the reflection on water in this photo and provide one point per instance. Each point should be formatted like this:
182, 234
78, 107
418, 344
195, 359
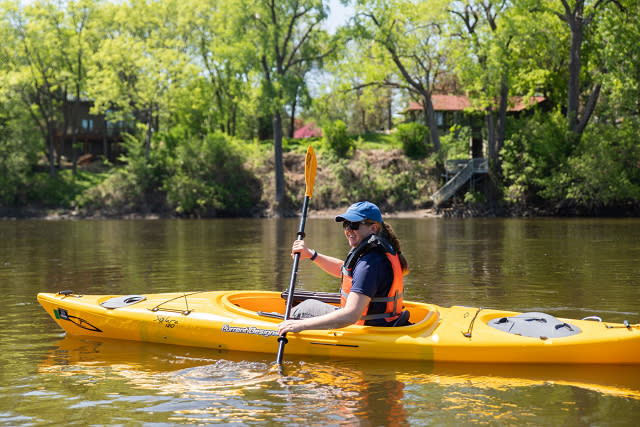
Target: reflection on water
201, 386
228, 387
570, 268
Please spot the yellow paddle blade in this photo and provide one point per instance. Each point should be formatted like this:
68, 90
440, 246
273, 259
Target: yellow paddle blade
310, 165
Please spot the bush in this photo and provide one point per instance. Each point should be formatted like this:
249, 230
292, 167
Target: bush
541, 160
604, 169
19, 151
209, 177
456, 143
389, 180
136, 186
535, 150
335, 136
412, 136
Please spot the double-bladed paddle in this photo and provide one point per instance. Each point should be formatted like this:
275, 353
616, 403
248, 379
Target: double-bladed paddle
309, 178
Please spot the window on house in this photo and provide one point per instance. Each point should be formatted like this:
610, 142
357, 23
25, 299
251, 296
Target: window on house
439, 118
87, 124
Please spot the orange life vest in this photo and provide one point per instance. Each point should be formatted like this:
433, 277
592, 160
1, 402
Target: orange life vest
394, 297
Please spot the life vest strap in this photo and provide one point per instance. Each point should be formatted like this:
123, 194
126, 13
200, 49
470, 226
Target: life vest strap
394, 298
397, 296
389, 316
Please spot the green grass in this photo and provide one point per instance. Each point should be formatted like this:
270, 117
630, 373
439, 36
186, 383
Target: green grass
365, 141
62, 190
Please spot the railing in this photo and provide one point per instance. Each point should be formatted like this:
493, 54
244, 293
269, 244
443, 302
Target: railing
459, 179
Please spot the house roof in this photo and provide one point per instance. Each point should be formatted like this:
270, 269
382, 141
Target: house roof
460, 102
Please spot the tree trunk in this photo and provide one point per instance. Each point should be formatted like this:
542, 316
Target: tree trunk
502, 120
74, 154
389, 111
279, 168
74, 129
234, 118
63, 134
293, 117
491, 134
430, 120
575, 65
147, 142
105, 144
52, 143
74, 134
589, 108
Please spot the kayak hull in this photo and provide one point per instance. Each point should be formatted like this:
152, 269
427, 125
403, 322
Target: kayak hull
230, 320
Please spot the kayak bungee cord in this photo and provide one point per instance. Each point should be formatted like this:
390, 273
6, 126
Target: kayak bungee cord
173, 310
468, 333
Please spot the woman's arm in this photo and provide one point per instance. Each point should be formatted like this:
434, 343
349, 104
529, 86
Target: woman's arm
348, 315
329, 264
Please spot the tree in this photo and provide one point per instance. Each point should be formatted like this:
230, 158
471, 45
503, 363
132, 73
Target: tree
76, 43
579, 16
139, 62
286, 34
617, 42
407, 36
35, 77
482, 60
225, 56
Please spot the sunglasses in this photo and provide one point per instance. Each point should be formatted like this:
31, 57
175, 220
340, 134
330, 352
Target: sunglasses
354, 226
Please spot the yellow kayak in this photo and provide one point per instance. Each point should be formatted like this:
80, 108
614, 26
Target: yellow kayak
248, 320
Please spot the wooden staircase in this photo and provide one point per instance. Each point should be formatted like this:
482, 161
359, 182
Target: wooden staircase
473, 166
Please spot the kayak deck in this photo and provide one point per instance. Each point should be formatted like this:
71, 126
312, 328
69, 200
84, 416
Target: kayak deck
232, 320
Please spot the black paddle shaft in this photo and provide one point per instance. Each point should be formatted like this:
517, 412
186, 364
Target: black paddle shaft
292, 283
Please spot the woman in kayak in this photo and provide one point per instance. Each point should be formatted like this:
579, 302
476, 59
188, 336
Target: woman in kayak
371, 289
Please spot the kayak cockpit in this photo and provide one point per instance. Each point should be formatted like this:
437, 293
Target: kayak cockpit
264, 305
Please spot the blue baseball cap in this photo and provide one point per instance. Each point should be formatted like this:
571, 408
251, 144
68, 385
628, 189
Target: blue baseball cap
360, 211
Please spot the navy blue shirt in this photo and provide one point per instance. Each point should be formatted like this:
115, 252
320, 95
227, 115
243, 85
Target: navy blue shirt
373, 277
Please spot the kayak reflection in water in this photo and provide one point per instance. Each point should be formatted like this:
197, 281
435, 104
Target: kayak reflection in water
371, 289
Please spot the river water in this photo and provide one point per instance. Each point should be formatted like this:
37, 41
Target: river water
565, 267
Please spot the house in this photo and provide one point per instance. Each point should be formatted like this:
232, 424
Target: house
457, 109
96, 136
453, 109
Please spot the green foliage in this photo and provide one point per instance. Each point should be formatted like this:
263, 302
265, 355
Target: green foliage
455, 143
19, 152
187, 69
148, 175
536, 148
392, 182
604, 171
62, 190
601, 171
413, 137
383, 141
209, 177
336, 138
134, 187
474, 197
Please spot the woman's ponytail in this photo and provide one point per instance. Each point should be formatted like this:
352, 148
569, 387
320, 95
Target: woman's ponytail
387, 233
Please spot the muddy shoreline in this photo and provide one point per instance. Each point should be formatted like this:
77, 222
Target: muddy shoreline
453, 211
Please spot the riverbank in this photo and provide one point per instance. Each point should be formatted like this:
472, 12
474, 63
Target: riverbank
58, 215
458, 211
402, 188
451, 211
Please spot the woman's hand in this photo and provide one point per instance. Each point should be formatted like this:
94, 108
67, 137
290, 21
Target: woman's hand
290, 325
302, 249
